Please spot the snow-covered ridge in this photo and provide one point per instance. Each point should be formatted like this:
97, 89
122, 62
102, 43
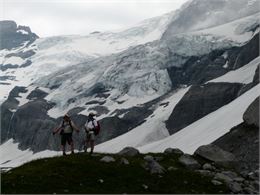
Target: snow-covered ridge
55, 53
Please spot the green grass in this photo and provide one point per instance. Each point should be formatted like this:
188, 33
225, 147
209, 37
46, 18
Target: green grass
80, 173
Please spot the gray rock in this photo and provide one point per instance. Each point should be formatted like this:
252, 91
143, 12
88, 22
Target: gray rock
37, 94
239, 179
199, 101
124, 161
205, 173
256, 184
176, 151
216, 182
247, 154
129, 151
171, 168
235, 187
214, 153
148, 158
107, 159
189, 162
230, 174
145, 186
248, 190
208, 166
252, 176
222, 177
153, 166
251, 115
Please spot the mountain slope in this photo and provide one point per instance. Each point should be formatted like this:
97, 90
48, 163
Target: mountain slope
135, 88
209, 128
53, 53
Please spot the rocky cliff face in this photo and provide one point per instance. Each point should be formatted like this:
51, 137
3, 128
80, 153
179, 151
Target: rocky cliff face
199, 101
243, 140
14, 36
199, 69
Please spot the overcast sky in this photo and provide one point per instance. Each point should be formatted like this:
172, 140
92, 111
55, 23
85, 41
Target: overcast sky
60, 17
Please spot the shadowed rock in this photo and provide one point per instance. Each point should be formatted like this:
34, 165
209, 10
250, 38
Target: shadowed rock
214, 153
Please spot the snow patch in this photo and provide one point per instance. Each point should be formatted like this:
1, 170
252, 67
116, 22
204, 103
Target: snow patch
152, 130
207, 129
23, 32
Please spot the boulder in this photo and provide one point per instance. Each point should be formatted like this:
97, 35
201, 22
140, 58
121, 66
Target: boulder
107, 159
155, 168
214, 153
176, 151
251, 115
223, 177
208, 166
189, 162
129, 151
148, 158
235, 187
216, 182
205, 173
124, 161
171, 168
152, 165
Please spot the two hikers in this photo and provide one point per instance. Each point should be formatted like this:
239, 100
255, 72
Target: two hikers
66, 129
67, 126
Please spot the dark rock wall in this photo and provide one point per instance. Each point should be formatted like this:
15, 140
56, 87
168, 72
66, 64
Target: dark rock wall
199, 101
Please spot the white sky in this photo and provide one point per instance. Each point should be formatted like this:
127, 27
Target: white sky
60, 17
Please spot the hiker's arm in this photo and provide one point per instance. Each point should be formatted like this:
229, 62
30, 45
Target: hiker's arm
56, 130
74, 126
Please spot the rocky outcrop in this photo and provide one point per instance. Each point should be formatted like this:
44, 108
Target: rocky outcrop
14, 36
153, 166
173, 151
189, 162
200, 101
129, 151
251, 115
199, 69
215, 154
37, 94
107, 159
8, 109
243, 140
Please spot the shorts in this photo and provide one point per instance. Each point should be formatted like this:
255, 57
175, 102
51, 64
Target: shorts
66, 137
90, 136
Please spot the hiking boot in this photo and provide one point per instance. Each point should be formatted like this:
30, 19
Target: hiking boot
72, 152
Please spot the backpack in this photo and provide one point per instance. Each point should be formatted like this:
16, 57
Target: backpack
97, 128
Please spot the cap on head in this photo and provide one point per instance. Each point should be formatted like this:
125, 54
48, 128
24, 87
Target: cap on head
91, 114
66, 116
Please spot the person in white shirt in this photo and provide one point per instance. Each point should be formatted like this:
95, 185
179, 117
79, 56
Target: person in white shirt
90, 127
65, 130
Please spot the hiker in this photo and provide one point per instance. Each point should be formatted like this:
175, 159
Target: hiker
92, 128
66, 129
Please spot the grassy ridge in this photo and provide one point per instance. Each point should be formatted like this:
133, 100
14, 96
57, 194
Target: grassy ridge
81, 173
